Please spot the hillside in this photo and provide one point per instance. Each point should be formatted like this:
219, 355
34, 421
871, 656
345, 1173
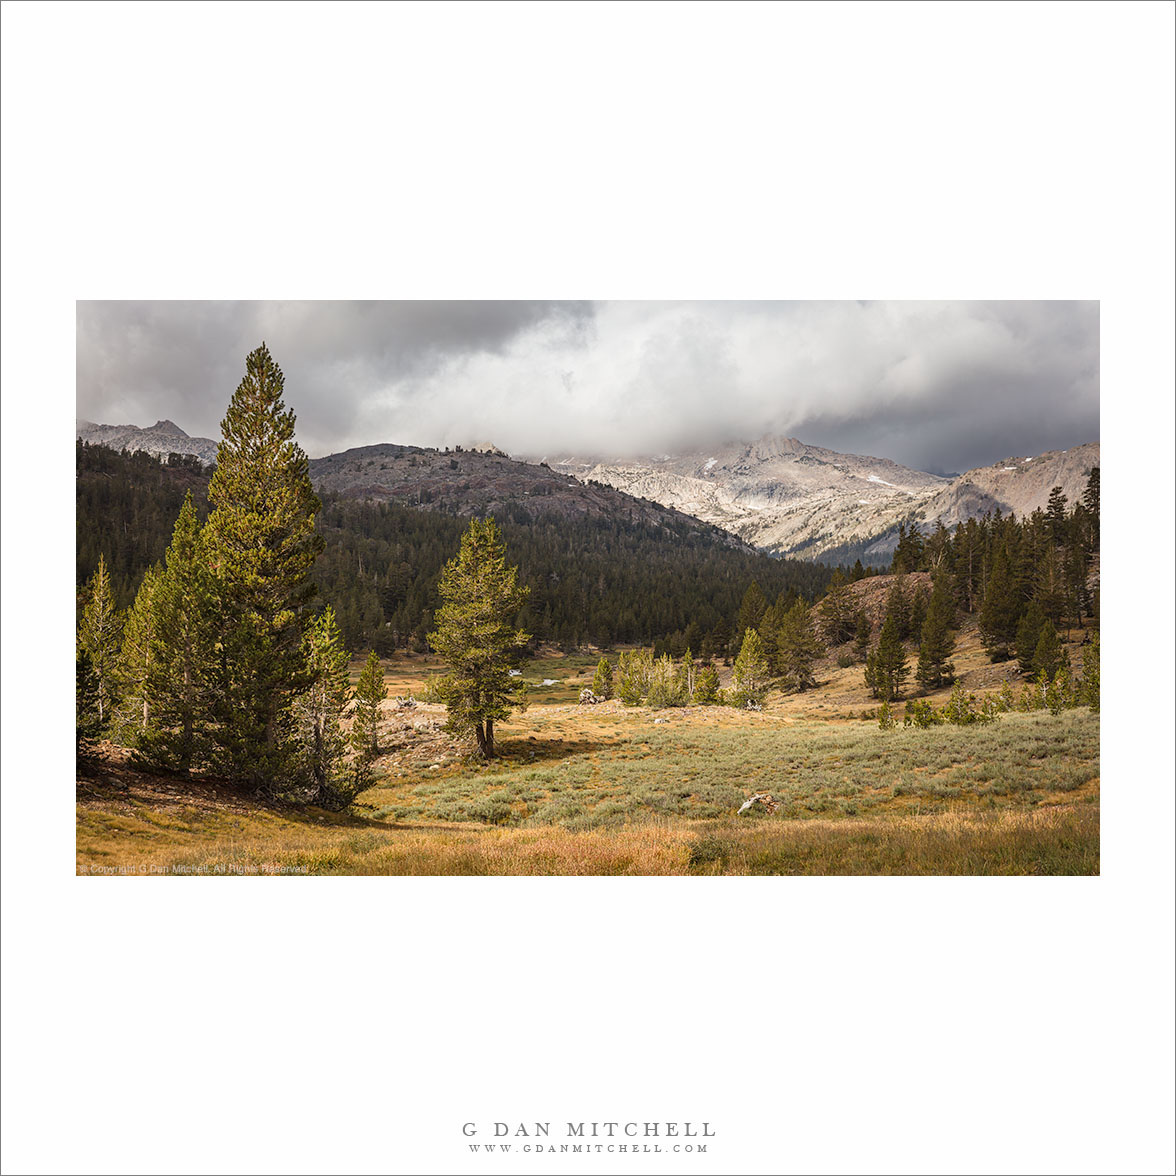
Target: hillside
466, 482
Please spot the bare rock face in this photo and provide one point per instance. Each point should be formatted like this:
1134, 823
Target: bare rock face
800, 500
159, 439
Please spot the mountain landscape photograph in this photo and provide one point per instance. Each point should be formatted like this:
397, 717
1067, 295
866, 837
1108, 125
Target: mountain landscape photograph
588, 553
668, 588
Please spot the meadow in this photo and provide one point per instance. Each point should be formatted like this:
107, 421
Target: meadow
612, 790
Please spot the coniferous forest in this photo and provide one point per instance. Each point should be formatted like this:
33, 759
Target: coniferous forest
594, 581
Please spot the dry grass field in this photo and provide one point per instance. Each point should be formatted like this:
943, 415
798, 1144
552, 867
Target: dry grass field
612, 790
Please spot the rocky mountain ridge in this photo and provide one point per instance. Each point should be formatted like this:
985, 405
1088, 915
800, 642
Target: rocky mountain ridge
159, 439
799, 500
777, 494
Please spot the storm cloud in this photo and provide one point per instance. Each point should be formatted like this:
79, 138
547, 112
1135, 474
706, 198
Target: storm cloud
942, 386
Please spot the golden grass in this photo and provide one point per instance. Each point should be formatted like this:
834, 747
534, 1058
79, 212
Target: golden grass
1054, 840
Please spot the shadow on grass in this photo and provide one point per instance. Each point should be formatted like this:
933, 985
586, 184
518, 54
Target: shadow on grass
533, 750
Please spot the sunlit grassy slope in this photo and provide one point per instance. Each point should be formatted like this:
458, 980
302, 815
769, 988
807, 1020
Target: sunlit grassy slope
609, 790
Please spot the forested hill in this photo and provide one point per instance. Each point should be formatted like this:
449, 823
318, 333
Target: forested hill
469, 482
604, 568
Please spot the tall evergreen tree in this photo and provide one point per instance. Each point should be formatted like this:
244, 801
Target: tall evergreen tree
1001, 609
751, 670
1028, 631
261, 545
1049, 584
135, 662
936, 640
837, 613
182, 659
1090, 671
908, 553
89, 725
476, 635
751, 610
1090, 500
1056, 513
370, 691
886, 667
798, 647
898, 606
318, 713
1050, 654
862, 633
100, 636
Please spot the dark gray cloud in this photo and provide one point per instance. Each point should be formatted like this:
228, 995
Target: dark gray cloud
936, 385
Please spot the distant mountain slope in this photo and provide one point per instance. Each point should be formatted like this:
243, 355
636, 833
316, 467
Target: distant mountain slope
159, 439
1018, 485
800, 500
777, 493
467, 482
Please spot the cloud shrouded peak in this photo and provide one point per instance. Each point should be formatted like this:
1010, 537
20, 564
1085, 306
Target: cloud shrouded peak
934, 385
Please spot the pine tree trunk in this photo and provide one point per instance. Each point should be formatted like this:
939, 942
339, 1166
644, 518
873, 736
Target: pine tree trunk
485, 739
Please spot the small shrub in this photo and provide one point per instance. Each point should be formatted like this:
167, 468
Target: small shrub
920, 713
845, 660
886, 719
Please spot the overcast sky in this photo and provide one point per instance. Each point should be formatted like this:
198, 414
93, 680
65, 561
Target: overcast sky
940, 386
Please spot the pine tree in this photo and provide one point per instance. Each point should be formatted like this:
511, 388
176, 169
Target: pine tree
182, 657
936, 642
908, 553
318, 713
898, 606
706, 686
370, 691
100, 636
861, 635
798, 648
751, 610
886, 667
476, 635
1056, 513
685, 679
664, 685
1090, 671
751, 670
837, 614
1090, 500
135, 661
634, 671
918, 611
1028, 631
1049, 654
1049, 584
602, 680
1001, 609
89, 723
261, 545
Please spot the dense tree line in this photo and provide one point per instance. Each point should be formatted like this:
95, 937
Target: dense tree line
592, 581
